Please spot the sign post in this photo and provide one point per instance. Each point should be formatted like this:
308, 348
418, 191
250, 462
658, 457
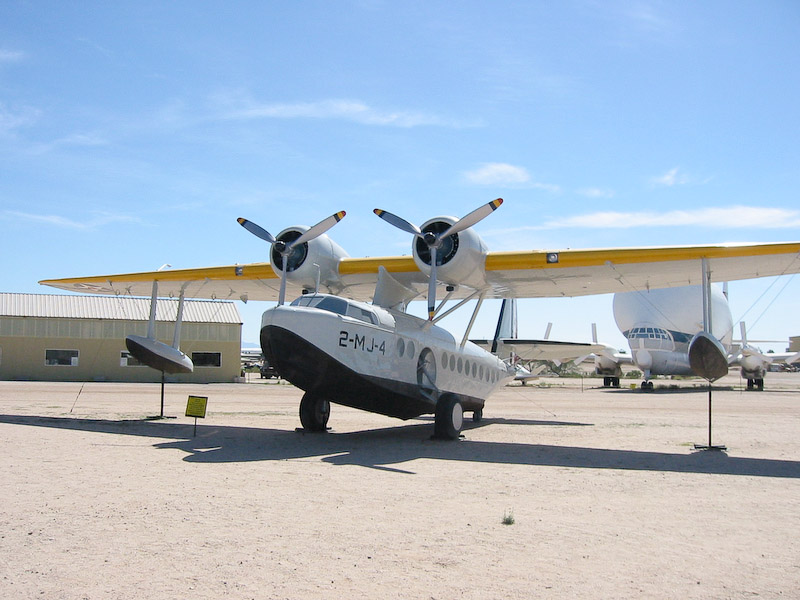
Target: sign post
196, 407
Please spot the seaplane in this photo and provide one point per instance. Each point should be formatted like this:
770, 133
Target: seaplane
349, 315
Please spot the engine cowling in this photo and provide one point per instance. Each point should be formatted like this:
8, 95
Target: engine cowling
460, 257
317, 257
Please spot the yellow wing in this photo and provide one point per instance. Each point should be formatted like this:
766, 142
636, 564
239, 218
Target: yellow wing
526, 274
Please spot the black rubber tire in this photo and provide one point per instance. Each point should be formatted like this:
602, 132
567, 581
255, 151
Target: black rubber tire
449, 417
477, 415
314, 412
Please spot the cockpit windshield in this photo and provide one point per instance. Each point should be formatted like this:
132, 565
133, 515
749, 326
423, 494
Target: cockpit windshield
339, 306
650, 337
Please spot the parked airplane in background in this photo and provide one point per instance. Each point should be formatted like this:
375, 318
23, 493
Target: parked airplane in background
376, 356
660, 324
516, 351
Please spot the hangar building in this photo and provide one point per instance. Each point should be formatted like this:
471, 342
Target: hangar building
49, 337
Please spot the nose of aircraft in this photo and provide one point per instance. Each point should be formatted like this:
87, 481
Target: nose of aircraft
644, 360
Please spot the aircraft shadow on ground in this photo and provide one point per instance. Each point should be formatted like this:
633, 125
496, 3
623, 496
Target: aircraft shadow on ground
388, 448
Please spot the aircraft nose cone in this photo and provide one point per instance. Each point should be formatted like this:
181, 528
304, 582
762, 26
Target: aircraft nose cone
644, 359
749, 362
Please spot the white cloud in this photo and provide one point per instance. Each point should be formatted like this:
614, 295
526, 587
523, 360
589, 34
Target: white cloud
98, 220
497, 173
675, 177
668, 179
349, 110
720, 218
506, 175
646, 18
11, 56
77, 139
596, 193
14, 119
547, 187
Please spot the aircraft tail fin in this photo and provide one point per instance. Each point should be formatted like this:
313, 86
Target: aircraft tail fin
506, 323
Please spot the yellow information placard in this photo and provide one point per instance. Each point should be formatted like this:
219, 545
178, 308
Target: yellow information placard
196, 406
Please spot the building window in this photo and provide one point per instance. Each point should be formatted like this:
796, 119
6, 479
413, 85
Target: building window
126, 359
61, 358
207, 359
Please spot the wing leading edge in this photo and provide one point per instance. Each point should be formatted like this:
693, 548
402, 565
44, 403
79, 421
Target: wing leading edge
526, 274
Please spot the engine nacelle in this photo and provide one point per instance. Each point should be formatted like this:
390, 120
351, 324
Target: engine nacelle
317, 258
460, 257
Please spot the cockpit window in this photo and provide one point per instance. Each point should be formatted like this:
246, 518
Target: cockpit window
653, 333
361, 314
339, 306
333, 304
306, 301
329, 303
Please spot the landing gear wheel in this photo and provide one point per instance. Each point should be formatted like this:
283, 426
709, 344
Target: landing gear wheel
647, 385
314, 412
449, 417
760, 384
615, 382
477, 415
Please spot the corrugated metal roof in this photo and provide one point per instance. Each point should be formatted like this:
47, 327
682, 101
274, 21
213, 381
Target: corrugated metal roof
115, 307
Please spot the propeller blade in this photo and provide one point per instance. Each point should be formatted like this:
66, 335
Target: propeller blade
472, 218
398, 222
282, 292
256, 230
318, 229
286, 249
432, 285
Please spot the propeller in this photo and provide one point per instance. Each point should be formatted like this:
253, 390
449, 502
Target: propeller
434, 240
285, 248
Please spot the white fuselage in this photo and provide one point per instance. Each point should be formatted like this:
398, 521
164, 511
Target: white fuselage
367, 357
659, 325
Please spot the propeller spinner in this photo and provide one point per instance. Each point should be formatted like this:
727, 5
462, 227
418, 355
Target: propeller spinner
284, 248
435, 240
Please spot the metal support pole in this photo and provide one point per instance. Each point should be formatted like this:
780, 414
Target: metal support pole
162, 394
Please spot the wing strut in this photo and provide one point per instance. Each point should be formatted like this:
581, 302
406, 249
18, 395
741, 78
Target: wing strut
151, 324
176, 337
472, 319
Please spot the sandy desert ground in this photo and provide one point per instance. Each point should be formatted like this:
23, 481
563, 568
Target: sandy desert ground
609, 499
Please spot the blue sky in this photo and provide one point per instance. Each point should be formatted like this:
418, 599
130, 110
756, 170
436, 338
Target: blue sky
134, 134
